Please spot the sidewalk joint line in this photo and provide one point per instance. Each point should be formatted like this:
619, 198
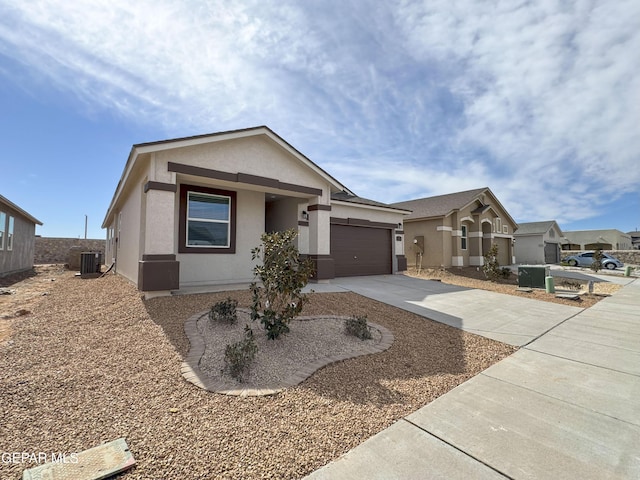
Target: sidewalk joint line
458, 449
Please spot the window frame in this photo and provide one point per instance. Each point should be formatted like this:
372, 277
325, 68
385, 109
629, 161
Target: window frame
3, 229
183, 219
463, 237
10, 227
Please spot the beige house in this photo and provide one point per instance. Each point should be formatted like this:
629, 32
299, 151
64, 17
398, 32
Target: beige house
187, 212
611, 239
538, 242
457, 229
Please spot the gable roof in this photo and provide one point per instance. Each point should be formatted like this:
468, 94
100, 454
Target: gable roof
537, 228
149, 147
13, 206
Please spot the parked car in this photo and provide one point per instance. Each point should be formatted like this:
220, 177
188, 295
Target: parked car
586, 259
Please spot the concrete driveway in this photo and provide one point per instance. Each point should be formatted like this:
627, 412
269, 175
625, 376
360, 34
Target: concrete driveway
506, 318
565, 406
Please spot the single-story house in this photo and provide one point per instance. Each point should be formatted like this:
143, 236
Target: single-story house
188, 211
457, 229
610, 239
17, 237
538, 242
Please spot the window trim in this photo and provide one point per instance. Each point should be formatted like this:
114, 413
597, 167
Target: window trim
182, 228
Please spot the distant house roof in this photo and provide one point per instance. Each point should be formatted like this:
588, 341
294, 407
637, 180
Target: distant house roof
443, 205
12, 205
594, 236
537, 228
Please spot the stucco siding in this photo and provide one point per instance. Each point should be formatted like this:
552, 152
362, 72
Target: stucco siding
128, 232
258, 156
529, 249
435, 250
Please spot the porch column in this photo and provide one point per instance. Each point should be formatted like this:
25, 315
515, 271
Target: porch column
475, 243
320, 240
158, 268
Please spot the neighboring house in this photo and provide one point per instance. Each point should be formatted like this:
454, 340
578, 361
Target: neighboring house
457, 229
635, 240
188, 211
17, 237
538, 242
591, 239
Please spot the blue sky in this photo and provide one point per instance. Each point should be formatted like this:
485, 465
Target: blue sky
540, 101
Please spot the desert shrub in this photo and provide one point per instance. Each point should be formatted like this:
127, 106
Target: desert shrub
505, 272
597, 260
238, 356
283, 275
358, 327
224, 312
491, 267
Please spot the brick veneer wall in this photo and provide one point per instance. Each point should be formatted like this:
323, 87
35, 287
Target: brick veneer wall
628, 257
64, 250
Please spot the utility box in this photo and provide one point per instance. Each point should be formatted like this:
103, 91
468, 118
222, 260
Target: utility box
90, 264
532, 276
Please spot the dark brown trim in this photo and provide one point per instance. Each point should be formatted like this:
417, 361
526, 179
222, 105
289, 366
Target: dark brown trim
201, 172
303, 223
326, 208
241, 178
158, 258
158, 275
167, 187
182, 227
361, 222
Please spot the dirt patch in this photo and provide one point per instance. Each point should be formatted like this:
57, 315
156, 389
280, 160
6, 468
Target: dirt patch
94, 363
20, 292
472, 277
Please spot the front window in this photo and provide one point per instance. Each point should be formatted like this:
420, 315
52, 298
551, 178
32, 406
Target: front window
10, 234
464, 237
208, 220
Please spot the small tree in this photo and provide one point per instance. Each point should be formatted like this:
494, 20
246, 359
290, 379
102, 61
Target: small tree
491, 267
283, 276
597, 260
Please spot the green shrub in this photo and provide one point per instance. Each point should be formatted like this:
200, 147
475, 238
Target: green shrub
283, 275
491, 267
506, 272
224, 312
358, 327
238, 356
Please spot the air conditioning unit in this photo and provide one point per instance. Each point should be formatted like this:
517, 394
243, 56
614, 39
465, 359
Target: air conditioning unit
90, 264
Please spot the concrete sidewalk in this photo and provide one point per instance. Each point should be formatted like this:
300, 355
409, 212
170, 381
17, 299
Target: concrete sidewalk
506, 318
565, 406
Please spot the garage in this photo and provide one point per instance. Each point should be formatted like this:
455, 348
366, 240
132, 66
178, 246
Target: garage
360, 250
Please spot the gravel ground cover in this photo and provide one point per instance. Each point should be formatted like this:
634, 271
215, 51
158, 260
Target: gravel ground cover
93, 362
471, 277
275, 361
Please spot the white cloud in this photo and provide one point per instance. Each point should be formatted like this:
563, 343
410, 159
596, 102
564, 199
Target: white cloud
537, 100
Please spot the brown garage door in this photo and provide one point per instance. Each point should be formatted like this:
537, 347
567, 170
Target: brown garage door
360, 250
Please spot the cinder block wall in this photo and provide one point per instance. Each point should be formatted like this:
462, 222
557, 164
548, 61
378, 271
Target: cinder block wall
58, 250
